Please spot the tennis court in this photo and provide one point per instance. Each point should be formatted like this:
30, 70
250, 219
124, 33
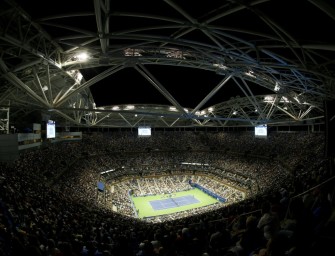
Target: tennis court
173, 202
155, 205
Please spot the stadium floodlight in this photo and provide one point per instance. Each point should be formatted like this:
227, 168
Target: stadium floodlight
129, 107
277, 87
83, 56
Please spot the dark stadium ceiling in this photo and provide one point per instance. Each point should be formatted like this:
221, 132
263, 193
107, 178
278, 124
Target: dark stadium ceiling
167, 63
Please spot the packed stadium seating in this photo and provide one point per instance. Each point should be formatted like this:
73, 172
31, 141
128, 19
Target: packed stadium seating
50, 204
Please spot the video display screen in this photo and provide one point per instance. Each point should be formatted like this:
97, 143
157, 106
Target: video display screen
144, 131
51, 129
261, 131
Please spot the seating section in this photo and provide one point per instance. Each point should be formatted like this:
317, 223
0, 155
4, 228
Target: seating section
280, 192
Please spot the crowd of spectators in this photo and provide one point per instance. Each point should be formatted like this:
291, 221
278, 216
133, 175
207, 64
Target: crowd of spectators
50, 205
168, 184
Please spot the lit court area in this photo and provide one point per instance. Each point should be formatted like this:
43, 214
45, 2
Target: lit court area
173, 202
149, 206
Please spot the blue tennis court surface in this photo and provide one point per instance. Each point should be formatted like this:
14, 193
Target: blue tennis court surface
173, 202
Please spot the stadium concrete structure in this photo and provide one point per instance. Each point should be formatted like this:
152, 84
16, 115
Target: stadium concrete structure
201, 76
167, 63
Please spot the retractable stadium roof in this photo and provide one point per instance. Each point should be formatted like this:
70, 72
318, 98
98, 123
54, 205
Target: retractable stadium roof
167, 63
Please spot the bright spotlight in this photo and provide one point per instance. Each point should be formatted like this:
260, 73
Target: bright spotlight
82, 56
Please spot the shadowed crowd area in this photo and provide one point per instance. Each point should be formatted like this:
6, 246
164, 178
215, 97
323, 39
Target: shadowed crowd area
50, 205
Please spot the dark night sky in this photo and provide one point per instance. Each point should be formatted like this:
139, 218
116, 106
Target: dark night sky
188, 86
